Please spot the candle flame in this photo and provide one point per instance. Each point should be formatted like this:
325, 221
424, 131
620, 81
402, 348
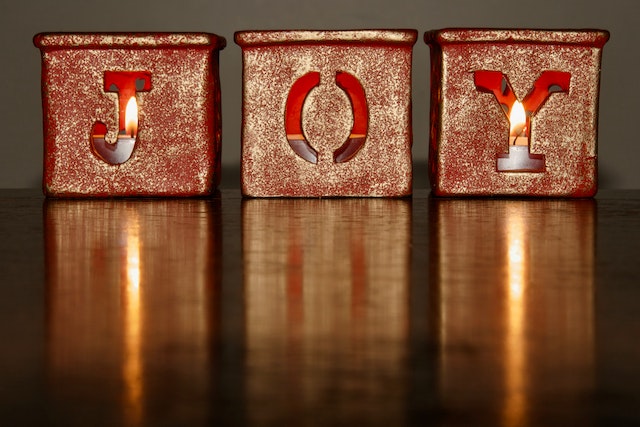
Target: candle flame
518, 119
131, 117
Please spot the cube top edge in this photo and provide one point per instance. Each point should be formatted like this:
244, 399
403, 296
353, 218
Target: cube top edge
586, 37
271, 37
50, 41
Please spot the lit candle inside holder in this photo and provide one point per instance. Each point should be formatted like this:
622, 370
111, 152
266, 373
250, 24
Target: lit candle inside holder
120, 151
519, 158
94, 146
126, 84
549, 78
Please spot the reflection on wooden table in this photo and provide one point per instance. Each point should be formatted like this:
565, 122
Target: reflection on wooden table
326, 299
514, 307
318, 320
131, 296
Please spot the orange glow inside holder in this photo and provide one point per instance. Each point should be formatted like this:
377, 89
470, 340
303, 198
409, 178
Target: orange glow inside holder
126, 84
293, 116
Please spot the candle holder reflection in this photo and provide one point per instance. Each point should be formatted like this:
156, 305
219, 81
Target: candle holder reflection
514, 306
326, 287
131, 289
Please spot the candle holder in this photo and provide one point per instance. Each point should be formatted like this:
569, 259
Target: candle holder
514, 112
130, 114
326, 113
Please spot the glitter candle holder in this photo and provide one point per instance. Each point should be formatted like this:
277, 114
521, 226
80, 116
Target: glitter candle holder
326, 113
514, 112
130, 114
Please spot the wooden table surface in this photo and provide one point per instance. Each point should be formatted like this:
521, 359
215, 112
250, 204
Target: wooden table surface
223, 311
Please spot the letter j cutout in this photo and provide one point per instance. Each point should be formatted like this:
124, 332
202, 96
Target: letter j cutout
520, 159
126, 84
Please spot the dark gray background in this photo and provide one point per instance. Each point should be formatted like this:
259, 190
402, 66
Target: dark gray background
21, 113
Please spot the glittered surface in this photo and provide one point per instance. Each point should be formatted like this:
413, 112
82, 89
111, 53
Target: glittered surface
262, 38
274, 61
469, 130
128, 40
178, 148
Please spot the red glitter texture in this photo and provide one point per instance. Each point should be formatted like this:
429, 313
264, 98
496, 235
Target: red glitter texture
177, 152
469, 129
326, 113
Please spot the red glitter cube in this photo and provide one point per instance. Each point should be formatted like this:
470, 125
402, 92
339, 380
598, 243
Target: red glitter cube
514, 112
326, 113
130, 114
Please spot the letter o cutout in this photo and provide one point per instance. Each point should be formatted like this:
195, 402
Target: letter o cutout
293, 116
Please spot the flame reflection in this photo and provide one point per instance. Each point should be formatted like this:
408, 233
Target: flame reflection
129, 285
517, 262
326, 295
132, 326
514, 311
